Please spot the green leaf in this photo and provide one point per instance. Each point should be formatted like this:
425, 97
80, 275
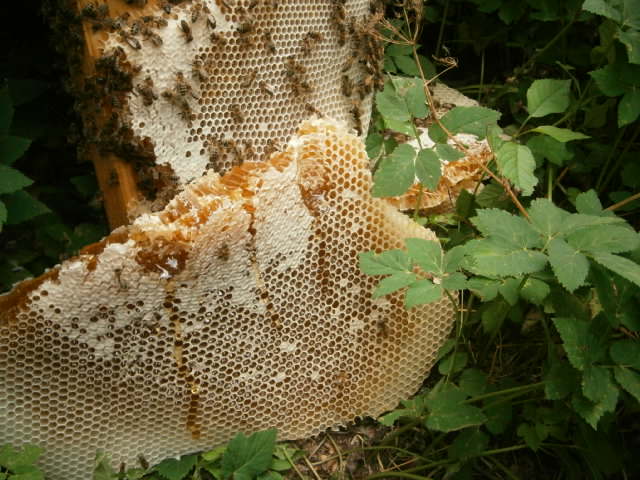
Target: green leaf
468, 444
548, 96
246, 457
560, 380
27, 473
485, 288
102, 469
546, 218
22, 207
473, 382
215, 454
499, 417
590, 411
629, 380
391, 105
534, 291
569, 265
626, 353
608, 81
629, 107
12, 148
373, 144
560, 134
582, 346
448, 412
394, 282
530, 436
493, 258
543, 146
454, 281
426, 253
598, 386
13, 459
453, 363
3, 214
506, 229
494, 315
428, 168
493, 196
605, 238
620, 265
412, 91
413, 408
473, 120
421, 292
173, 469
631, 40
396, 172
603, 8
385, 263
588, 203
509, 290
516, 163
447, 153
11, 180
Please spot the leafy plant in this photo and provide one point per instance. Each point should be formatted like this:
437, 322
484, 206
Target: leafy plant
19, 464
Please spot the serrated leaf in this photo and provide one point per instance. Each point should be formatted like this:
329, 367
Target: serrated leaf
393, 283
472, 120
561, 380
412, 90
22, 207
543, 146
603, 8
569, 265
604, 238
454, 281
391, 105
468, 444
560, 134
495, 259
620, 265
247, 457
626, 353
631, 39
428, 169
546, 218
629, 380
374, 144
13, 459
629, 107
582, 346
547, 96
534, 291
598, 386
493, 196
102, 469
473, 382
426, 253
517, 164
396, 172
448, 412
455, 258
12, 180
421, 292
530, 436
173, 469
506, 229
453, 363
485, 288
448, 153
591, 412
588, 203
12, 148
499, 416
385, 263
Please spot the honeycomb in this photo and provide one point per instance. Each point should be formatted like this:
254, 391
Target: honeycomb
238, 307
218, 83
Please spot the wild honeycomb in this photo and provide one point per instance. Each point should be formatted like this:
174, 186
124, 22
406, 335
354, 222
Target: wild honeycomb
218, 83
238, 307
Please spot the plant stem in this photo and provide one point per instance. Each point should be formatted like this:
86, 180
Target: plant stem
507, 391
599, 183
551, 42
620, 159
622, 203
441, 31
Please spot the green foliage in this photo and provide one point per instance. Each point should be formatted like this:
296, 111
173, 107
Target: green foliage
20, 464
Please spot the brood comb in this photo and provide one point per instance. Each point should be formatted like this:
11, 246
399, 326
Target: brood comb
238, 307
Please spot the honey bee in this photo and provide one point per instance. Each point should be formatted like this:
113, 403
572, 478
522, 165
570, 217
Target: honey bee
195, 12
223, 253
253, 4
300, 87
268, 42
89, 11
166, 6
211, 23
146, 91
270, 148
312, 110
152, 36
186, 31
226, 5
310, 41
130, 40
236, 113
366, 86
293, 68
180, 102
245, 30
250, 79
349, 63
135, 28
249, 152
143, 462
346, 86
137, 3
197, 70
217, 39
113, 179
339, 19
182, 86
267, 89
